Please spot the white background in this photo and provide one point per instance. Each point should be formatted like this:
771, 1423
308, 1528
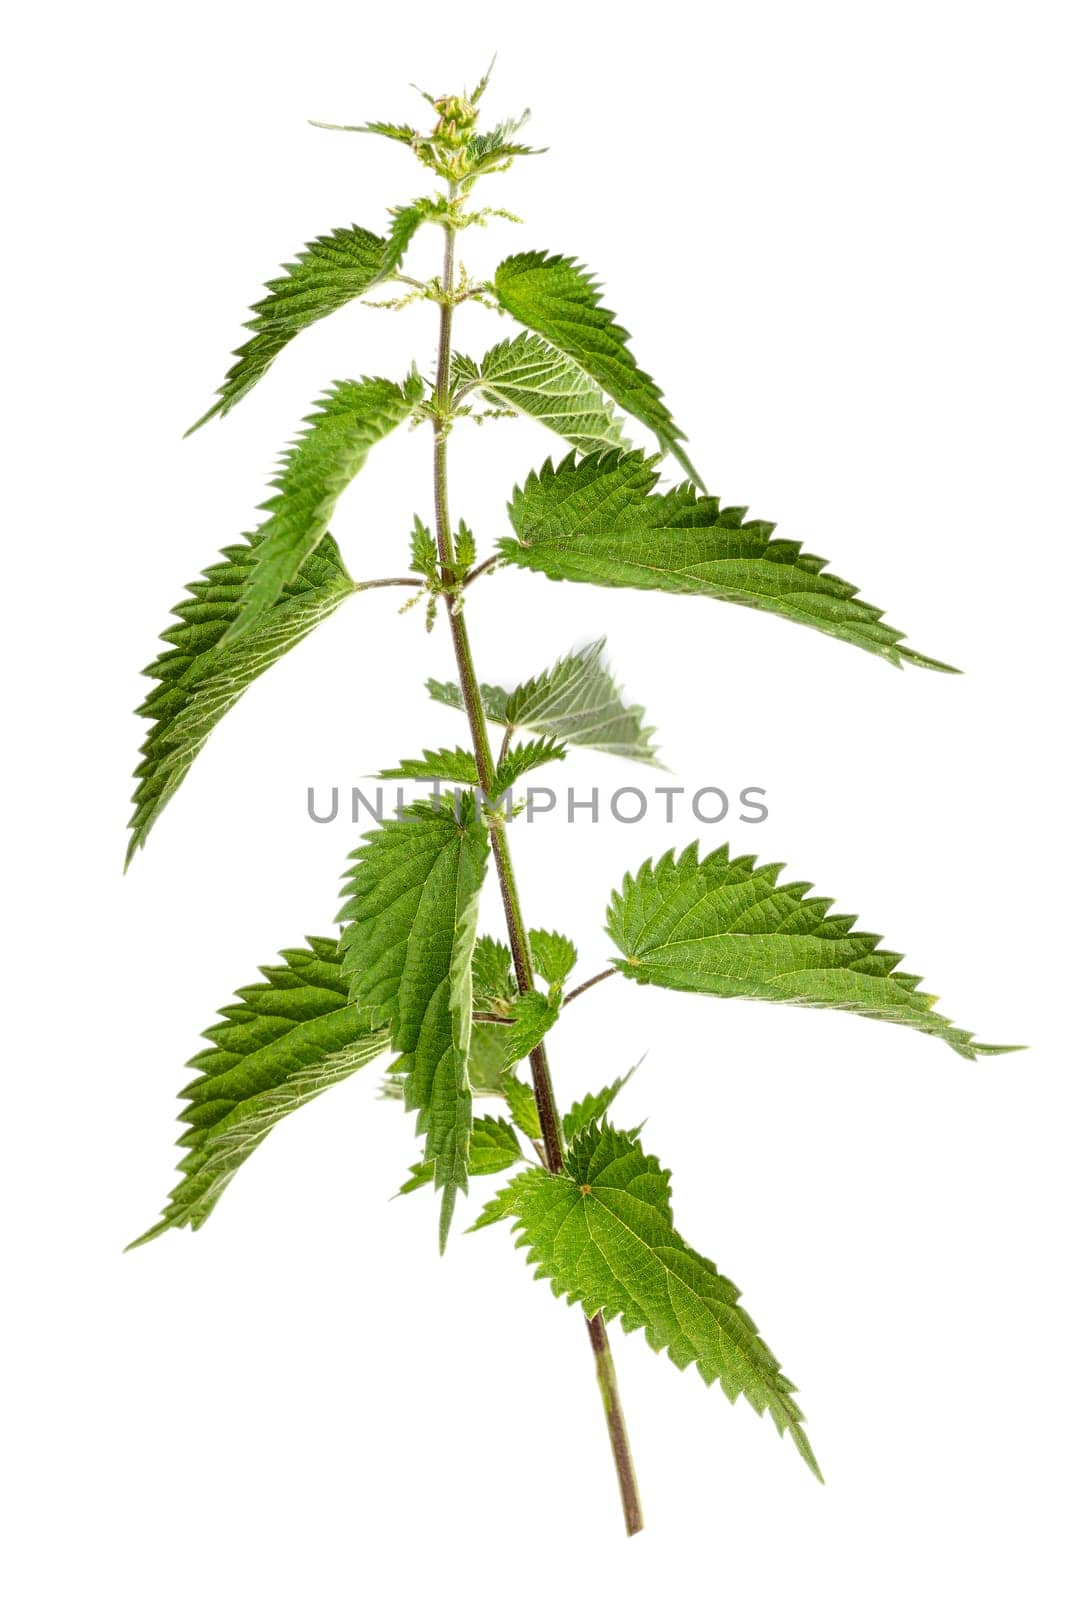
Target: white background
833, 231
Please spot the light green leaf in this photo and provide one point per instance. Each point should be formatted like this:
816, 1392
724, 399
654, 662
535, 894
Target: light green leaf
199, 679
561, 301
493, 976
411, 913
533, 1014
281, 1045
449, 694
489, 1066
528, 376
466, 550
423, 550
599, 521
453, 766
522, 1104
591, 1107
524, 758
327, 274
602, 1233
577, 700
351, 417
494, 150
493, 1148
728, 928
554, 956
459, 766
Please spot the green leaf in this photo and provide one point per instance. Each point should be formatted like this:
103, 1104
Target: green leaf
598, 521
728, 928
281, 1045
603, 1234
524, 758
577, 700
198, 679
554, 956
561, 301
351, 417
411, 914
449, 694
493, 1148
327, 274
528, 376
459, 766
489, 1067
591, 1107
533, 1014
494, 150
466, 550
454, 766
522, 1104
423, 550
493, 976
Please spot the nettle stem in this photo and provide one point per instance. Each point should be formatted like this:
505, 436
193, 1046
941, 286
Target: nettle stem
547, 1110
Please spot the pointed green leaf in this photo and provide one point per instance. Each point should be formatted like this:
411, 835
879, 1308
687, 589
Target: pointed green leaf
466, 550
527, 375
449, 694
533, 1014
728, 928
407, 948
524, 758
327, 274
281, 1045
199, 678
599, 521
602, 1233
561, 301
493, 976
494, 150
554, 956
577, 700
317, 467
488, 1066
493, 1148
522, 1104
423, 550
453, 766
591, 1107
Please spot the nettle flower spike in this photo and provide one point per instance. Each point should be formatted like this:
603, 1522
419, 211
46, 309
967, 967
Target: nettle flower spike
459, 1018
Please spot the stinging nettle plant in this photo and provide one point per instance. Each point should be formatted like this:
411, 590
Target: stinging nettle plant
410, 977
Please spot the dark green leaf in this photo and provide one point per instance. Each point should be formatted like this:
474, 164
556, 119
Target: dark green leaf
602, 1233
728, 928
598, 521
411, 913
561, 301
327, 274
280, 1046
199, 679
493, 1148
351, 417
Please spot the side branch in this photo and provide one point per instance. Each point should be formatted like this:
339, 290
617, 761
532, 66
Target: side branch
572, 994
